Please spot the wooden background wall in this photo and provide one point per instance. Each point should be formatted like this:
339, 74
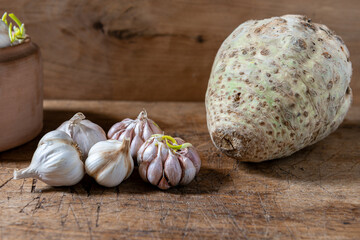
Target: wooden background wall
158, 49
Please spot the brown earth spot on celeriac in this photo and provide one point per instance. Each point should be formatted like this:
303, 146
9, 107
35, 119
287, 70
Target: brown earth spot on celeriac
337, 78
326, 55
268, 74
329, 85
237, 97
265, 52
301, 43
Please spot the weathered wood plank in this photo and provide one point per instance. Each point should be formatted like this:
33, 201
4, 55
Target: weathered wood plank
154, 50
313, 194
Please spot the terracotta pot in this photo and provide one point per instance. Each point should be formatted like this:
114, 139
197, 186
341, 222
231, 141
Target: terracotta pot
21, 94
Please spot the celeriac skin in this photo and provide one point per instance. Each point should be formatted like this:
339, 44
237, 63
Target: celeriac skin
277, 85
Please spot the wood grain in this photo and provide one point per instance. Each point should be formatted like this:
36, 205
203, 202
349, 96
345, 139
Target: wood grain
314, 194
155, 50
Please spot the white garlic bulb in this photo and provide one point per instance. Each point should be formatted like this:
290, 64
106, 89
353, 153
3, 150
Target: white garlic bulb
110, 162
56, 161
4, 35
84, 132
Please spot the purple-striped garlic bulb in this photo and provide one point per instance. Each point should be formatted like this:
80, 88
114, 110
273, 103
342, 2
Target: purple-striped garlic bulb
166, 162
138, 131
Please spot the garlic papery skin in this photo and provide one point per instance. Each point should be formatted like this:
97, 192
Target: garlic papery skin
56, 161
84, 132
138, 131
166, 162
109, 162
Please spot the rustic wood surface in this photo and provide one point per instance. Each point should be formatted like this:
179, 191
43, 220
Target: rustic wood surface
155, 50
313, 194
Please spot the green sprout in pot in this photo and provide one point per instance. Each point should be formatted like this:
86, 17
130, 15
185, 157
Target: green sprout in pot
11, 32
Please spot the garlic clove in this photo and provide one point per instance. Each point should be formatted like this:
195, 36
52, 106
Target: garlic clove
147, 131
119, 126
191, 153
172, 169
155, 169
84, 132
56, 161
147, 153
163, 184
136, 141
109, 162
135, 145
164, 152
143, 171
189, 170
154, 127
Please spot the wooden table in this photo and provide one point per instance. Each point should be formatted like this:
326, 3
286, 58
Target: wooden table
314, 194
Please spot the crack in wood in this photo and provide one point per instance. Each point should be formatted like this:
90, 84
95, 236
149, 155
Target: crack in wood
61, 200
22, 209
75, 217
267, 215
6, 182
33, 185
97, 214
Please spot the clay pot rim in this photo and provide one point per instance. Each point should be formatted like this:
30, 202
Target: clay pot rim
24, 49
27, 40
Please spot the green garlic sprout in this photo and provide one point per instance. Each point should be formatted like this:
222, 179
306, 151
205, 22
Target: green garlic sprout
16, 33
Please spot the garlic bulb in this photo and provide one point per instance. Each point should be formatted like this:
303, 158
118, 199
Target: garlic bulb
4, 35
138, 131
110, 162
166, 164
84, 132
56, 161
